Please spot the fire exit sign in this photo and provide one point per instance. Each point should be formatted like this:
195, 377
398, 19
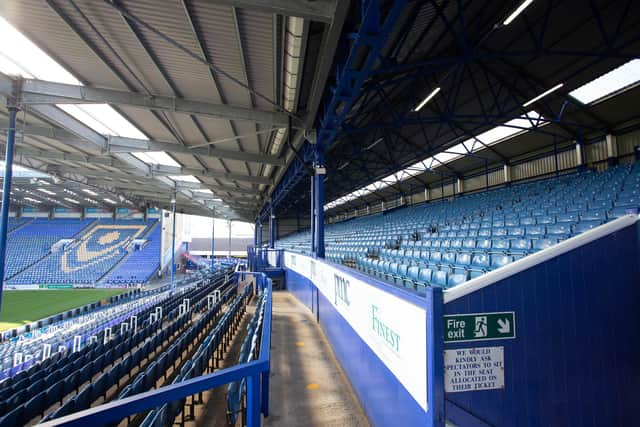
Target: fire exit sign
479, 326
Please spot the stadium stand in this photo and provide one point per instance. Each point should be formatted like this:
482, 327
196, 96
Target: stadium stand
15, 223
248, 352
31, 242
206, 358
445, 243
69, 380
138, 266
85, 261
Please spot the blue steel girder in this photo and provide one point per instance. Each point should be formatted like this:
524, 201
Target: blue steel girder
371, 37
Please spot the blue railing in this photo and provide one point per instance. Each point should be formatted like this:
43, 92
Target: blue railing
256, 374
264, 258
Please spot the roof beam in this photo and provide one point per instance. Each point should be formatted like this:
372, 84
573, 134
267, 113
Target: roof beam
118, 144
179, 186
160, 171
314, 10
68, 157
45, 92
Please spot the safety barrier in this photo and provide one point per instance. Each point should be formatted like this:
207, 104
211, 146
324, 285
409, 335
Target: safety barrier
546, 340
261, 259
254, 373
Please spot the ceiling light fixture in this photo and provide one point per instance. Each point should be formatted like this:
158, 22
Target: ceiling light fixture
517, 12
543, 94
376, 142
427, 99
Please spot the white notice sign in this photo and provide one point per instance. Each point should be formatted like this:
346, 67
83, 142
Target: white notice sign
473, 369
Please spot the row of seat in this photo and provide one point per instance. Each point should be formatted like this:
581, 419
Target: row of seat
168, 304
140, 265
184, 332
211, 349
92, 255
512, 221
248, 352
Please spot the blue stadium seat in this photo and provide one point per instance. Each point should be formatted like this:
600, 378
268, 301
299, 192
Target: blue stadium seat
440, 279
498, 261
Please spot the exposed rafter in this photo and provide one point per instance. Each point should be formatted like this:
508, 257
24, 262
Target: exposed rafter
44, 92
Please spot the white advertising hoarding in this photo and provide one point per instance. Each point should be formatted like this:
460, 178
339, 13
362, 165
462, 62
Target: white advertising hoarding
392, 327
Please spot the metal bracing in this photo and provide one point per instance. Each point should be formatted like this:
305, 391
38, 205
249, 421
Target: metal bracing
372, 34
328, 48
22, 151
130, 183
119, 144
134, 26
161, 171
486, 72
315, 10
44, 92
203, 52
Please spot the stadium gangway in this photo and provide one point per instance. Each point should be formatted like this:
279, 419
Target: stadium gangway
256, 374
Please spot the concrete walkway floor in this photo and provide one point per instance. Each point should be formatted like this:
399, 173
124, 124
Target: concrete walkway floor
307, 386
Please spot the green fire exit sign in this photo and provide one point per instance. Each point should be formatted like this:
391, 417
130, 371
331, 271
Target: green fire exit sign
479, 326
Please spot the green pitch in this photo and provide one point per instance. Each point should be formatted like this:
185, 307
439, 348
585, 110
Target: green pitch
21, 307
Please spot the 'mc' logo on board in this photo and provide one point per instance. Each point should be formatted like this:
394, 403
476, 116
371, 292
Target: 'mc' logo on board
390, 337
340, 290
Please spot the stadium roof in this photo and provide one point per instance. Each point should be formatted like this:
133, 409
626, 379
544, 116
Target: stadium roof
450, 74
131, 99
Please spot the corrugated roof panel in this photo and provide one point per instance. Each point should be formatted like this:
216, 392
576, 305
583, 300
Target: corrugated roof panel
112, 27
220, 41
148, 123
55, 37
256, 33
189, 76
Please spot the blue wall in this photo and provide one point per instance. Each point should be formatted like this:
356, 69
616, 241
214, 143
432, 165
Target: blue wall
576, 358
385, 401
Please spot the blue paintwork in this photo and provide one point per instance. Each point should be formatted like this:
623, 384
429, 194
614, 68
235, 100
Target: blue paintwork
6, 192
256, 372
575, 360
173, 245
383, 398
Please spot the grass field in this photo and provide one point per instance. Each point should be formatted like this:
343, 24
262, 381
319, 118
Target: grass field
21, 307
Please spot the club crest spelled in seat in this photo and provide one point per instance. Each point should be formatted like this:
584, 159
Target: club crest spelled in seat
100, 244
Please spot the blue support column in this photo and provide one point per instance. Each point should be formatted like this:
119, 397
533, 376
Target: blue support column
213, 235
255, 234
6, 193
319, 214
313, 218
259, 235
318, 203
173, 245
272, 229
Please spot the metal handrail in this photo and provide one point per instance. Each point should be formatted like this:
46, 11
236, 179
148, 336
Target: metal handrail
256, 373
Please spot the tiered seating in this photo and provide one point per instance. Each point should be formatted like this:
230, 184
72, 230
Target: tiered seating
30, 344
17, 222
139, 265
89, 374
248, 352
29, 244
206, 358
89, 258
446, 243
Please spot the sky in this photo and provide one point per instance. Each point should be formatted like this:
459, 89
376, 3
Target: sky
201, 227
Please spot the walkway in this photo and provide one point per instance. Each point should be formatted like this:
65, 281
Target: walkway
307, 387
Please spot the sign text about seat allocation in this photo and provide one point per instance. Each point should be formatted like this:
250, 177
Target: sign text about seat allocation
479, 326
473, 369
